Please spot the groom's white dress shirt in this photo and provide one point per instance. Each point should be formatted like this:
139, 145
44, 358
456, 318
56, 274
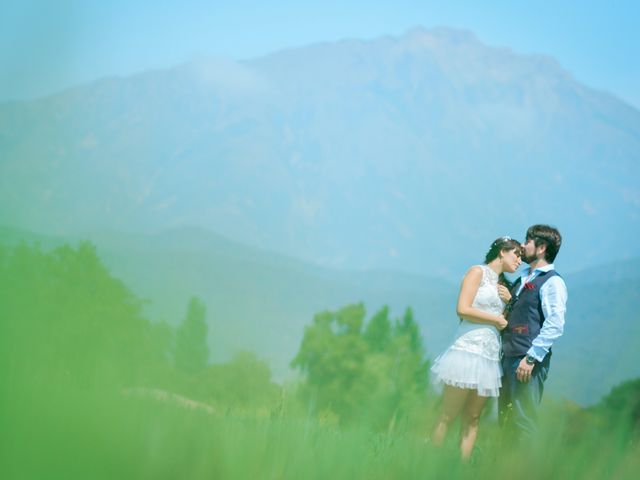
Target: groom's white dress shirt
553, 299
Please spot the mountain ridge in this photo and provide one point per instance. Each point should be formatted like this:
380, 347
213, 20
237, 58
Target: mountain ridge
356, 166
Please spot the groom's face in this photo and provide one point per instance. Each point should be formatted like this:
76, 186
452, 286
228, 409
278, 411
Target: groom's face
529, 250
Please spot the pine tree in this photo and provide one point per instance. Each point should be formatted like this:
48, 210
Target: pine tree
409, 327
191, 351
378, 330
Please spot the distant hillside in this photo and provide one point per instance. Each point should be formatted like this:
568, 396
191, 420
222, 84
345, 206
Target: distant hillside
261, 301
406, 153
602, 333
258, 300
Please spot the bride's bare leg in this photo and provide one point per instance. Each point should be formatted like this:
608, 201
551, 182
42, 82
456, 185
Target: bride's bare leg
453, 401
470, 420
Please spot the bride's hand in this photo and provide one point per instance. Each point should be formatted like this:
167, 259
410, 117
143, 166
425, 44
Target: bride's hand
504, 294
501, 323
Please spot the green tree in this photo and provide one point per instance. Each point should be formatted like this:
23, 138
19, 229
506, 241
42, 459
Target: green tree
332, 355
67, 321
622, 405
378, 331
191, 351
370, 374
407, 326
244, 381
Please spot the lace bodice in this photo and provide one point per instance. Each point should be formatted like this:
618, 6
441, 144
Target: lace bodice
481, 338
487, 298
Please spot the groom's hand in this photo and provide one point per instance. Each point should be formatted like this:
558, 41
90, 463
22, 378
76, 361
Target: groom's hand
523, 372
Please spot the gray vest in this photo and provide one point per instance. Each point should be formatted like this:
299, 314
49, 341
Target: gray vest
526, 317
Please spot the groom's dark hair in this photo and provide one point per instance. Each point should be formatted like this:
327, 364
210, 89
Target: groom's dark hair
546, 235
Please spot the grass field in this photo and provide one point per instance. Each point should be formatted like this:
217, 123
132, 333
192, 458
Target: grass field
118, 436
90, 389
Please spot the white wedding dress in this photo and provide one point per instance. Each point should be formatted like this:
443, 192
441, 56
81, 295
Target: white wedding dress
473, 360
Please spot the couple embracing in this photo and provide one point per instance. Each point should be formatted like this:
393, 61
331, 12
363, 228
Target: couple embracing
503, 344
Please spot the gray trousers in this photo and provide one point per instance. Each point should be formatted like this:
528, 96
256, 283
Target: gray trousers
518, 403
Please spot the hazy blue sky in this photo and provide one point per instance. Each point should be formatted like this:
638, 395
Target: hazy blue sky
48, 45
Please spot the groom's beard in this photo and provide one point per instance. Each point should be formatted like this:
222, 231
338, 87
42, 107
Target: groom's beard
529, 259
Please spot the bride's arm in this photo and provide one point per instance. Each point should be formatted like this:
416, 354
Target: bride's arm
468, 290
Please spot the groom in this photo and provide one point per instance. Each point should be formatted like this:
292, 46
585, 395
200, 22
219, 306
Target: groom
536, 319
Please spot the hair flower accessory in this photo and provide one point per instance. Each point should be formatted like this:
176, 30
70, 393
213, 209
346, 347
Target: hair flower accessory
506, 238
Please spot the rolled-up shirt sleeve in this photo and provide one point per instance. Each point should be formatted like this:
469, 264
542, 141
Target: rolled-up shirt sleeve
553, 301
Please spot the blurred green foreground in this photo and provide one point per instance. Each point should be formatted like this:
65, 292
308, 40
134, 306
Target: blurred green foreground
92, 389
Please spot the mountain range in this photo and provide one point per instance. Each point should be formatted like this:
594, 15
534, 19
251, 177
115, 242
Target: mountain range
408, 153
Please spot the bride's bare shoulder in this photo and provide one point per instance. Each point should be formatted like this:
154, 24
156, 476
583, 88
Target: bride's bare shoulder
475, 270
474, 273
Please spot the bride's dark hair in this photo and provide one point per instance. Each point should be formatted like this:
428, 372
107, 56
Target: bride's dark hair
499, 245
502, 243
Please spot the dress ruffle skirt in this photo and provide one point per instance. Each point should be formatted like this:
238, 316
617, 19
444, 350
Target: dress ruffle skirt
472, 363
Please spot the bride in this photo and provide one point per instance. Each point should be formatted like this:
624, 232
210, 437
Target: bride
470, 368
